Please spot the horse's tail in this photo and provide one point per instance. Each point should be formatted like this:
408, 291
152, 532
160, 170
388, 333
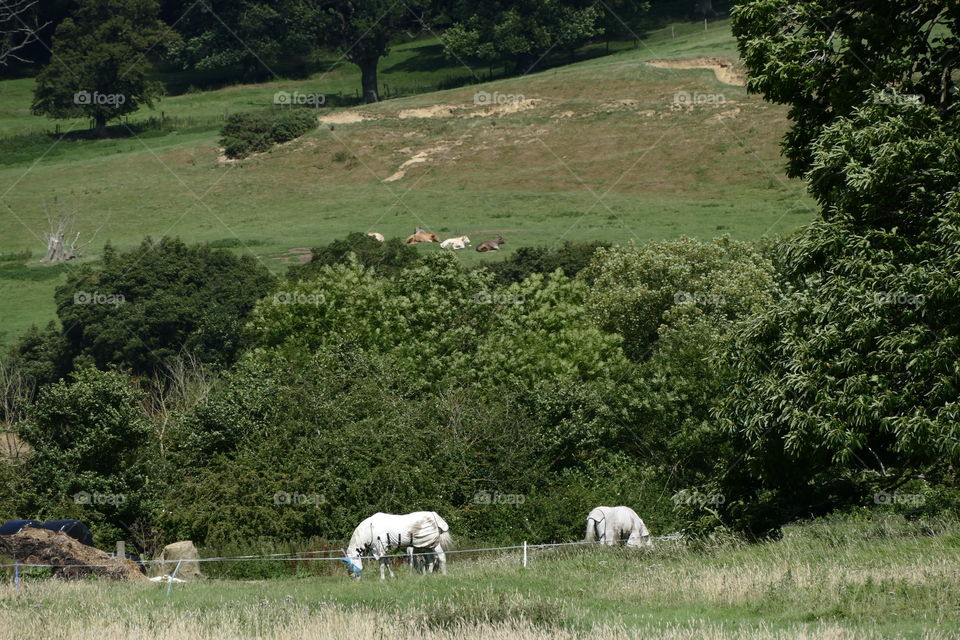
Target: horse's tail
446, 541
591, 534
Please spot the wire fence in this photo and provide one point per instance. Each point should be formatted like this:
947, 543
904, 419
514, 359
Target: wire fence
307, 556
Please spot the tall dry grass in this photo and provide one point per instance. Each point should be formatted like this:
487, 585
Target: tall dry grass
105, 619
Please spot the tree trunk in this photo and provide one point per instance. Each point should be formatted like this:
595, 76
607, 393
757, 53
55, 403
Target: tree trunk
703, 9
59, 246
100, 120
368, 80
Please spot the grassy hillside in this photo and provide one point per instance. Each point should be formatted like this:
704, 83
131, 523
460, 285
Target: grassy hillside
596, 150
870, 580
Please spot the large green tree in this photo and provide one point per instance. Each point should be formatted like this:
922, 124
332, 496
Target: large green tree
519, 31
253, 34
362, 31
101, 61
142, 307
848, 384
825, 58
640, 291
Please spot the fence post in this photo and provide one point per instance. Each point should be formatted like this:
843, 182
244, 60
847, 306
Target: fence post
170, 581
524, 554
16, 574
121, 550
410, 558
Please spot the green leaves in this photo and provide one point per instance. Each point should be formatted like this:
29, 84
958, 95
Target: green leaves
88, 438
520, 32
252, 132
100, 62
147, 305
826, 58
639, 292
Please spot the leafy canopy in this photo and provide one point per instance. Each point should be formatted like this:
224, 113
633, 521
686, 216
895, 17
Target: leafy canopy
100, 63
144, 306
88, 437
848, 384
519, 31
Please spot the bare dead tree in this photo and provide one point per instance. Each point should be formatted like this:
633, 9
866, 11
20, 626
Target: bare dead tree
19, 28
185, 382
61, 236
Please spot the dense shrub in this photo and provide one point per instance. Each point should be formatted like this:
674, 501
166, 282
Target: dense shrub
139, 308
307, 445
246, 133
292, 123
570, 258
387, 258
253, 132
414, 392
88, 438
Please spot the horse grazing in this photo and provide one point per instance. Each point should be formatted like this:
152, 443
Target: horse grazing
617, 525
423, 237
381, 533
491, 245
455, 243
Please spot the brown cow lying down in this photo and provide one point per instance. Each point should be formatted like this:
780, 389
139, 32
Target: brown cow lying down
423, 237
491, 245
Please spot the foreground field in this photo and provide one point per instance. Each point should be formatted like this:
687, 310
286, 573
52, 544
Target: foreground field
883, 579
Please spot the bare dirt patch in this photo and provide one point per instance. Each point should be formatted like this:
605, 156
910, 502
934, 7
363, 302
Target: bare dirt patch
505, 109
726, 71
69, 558
436, 111
345, 117
418, 158
723, 115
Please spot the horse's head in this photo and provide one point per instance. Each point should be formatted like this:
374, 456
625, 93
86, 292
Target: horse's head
353, 562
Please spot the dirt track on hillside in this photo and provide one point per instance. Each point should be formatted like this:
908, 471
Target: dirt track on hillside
726, 71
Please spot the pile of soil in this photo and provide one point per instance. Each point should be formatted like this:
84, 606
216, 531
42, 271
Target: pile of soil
66, 555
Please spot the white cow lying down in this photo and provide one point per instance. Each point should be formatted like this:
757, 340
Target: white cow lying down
455, 243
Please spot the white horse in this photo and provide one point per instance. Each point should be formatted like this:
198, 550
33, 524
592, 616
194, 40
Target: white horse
455, 243
616, 525
379, 534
